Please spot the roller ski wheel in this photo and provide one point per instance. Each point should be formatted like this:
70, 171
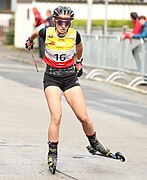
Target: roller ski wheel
117, 156
52, 163
52, 169
52, 157
120, 157
52, 160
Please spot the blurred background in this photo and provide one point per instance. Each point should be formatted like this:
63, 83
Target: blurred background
91, 16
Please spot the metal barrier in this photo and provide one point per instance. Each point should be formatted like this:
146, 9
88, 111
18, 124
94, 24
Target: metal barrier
114, 59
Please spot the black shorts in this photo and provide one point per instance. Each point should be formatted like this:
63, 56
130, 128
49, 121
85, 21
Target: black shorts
63, 83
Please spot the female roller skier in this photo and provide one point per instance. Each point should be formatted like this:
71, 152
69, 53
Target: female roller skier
61, 75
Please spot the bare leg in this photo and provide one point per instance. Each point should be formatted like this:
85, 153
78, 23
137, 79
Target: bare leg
53, 97
75, 98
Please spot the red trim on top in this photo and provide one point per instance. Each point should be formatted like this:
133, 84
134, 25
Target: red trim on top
58, 64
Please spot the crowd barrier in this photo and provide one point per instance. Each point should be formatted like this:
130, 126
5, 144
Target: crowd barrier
112, 58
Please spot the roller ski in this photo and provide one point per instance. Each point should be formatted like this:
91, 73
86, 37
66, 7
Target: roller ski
98, 149
52, 158
117, 155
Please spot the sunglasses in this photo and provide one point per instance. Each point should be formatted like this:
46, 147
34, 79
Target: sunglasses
63, 22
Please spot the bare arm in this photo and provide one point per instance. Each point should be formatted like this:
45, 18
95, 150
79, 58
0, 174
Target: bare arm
29, 42
79, 51
78, 66
34, 35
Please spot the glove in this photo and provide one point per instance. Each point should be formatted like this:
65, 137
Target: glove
78, 67
29, 44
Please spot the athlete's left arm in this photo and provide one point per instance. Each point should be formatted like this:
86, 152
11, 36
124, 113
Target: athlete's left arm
79, 59
79, 46
79, 50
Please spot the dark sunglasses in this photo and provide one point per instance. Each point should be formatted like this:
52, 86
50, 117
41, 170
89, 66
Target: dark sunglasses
62, 22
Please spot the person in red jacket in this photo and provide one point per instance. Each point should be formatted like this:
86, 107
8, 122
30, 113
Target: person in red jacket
39, 24
38, 19
137, 26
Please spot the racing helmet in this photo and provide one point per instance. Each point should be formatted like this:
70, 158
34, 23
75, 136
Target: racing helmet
63, 12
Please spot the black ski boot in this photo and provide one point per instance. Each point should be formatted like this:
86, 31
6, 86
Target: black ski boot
97, 146
52, 157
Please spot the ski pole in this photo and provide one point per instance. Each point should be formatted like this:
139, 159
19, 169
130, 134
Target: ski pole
34, 60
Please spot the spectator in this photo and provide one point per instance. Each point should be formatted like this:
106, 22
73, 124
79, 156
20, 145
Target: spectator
137, 26
39, 24
143, 33
138, 49
49, 22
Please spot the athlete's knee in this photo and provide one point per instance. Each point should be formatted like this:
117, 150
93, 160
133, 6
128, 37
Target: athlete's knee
56, 119
84, 119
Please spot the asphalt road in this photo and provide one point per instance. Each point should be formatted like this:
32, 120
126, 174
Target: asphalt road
119, 116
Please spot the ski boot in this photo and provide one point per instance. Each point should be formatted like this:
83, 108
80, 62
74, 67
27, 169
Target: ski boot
52, 158
97, 146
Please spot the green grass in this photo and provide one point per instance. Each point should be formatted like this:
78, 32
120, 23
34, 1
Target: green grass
100, 23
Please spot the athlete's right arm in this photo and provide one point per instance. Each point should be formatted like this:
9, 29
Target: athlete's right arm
34, 35
29, 42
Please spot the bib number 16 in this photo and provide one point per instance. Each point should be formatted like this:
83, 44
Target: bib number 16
60, 57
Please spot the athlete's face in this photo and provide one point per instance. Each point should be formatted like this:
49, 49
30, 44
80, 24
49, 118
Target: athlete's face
62, 25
